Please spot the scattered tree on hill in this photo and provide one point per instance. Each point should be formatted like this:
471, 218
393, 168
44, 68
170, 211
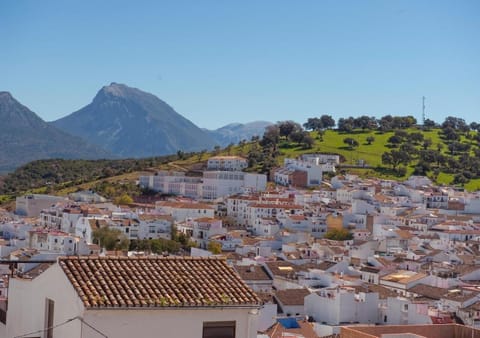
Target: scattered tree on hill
416, 137
365, 123
395, 157
429, 123
475, 126
338, 235
346, 125
322, 123
351, 142
450, 134
287, 128
370, 139
271, 135
395, 140
456, 123
426, 143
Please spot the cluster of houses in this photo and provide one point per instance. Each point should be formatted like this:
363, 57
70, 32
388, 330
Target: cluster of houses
411, 257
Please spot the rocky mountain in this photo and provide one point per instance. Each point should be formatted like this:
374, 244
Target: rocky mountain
131, 123
25, 137
235, 132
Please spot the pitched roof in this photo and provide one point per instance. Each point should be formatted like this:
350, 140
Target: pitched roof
107, 282
252, 273
292, 296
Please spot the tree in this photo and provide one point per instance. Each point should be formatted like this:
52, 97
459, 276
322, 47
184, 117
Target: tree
370, 139
214, 247
429, 123
110, 239
286, 128
395, 140
318, 124
427, 143
297, 136
338, 235
365, 122
385, 123
308, 141
416, 137
450, 134
351, 142
475, 126
271, 135
123, 199
327, 121
346, 125
455, 123
395, 158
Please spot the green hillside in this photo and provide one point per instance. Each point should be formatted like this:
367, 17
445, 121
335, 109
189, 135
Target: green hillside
436, 155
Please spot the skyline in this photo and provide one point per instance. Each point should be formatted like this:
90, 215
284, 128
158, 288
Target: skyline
218, 63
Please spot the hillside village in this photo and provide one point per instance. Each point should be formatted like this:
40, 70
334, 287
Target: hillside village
292, 253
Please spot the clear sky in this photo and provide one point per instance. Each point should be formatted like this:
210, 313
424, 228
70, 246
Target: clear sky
218, 62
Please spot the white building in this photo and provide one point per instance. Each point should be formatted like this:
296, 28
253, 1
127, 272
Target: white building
132, 297
227, 163
31, 205
181, 211
213, 184
314, 171
218, 184
342, 305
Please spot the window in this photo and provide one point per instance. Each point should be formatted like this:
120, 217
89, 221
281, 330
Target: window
219, 329
49, 312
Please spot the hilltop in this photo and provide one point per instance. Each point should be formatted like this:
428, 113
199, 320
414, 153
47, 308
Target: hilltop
25, 137
129, 122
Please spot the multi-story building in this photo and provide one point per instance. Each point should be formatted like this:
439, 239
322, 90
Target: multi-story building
31, 205
227, 163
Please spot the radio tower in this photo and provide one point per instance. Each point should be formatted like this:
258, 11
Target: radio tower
423, 109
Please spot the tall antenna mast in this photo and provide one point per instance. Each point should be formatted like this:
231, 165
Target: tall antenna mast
423, 109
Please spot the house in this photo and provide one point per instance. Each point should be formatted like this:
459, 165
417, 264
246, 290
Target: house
291, 301
335, 306
31, 205
180, 211
402, 280
255, 277
87, 297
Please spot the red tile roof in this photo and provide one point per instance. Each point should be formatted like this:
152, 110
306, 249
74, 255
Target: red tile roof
106, 282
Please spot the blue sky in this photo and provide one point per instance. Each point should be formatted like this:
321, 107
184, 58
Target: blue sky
218, 62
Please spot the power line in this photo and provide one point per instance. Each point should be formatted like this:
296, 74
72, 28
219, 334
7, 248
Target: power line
61, 324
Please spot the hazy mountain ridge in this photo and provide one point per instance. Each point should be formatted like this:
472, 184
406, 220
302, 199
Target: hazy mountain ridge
132, 123
25, 137
236, 132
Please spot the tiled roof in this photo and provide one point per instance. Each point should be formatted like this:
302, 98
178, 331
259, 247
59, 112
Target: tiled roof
156, 282
292, 296
428, 291
252, 273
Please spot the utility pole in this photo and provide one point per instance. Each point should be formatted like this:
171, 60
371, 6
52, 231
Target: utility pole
423, 109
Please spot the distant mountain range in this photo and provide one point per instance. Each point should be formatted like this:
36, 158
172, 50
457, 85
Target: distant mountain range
25, 137
120, 122
236, 132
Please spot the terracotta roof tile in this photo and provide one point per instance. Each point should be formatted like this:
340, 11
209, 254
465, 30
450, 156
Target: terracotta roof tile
106, 282
252, 273
292, 296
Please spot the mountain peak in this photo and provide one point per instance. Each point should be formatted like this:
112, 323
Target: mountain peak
5, 96
115, 89
132, 123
